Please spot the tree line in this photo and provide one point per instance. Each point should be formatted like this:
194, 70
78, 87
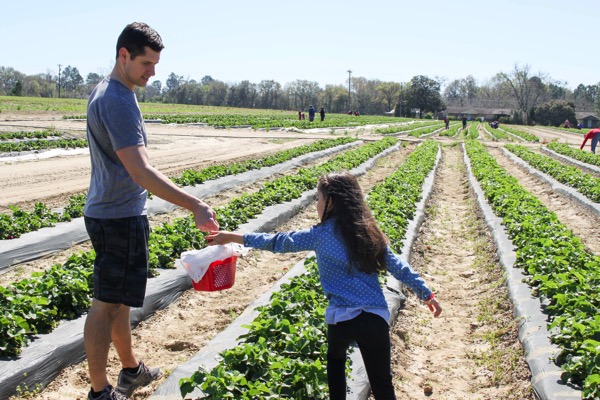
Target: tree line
532, 97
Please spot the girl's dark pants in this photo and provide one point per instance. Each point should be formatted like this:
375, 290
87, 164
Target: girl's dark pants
372, 334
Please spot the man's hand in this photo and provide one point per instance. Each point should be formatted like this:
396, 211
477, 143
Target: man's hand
206, 218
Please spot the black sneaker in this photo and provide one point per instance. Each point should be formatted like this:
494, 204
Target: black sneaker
109, 393
128, 382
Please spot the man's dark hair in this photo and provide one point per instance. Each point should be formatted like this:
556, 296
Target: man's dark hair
136, 36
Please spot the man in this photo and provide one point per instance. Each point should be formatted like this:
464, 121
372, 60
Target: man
115, 211
311, 113
593, 134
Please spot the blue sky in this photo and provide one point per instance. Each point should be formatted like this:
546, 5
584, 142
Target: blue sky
318, 41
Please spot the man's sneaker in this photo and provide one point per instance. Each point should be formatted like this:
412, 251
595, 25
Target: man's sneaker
109, 393
128, 382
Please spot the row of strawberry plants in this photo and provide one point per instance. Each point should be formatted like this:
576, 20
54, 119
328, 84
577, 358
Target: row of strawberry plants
29, 135
393, 202
40, 144
194, 177
452, 131
277, 120
498, 134
577, 154
20, 221
403, 128
524, 135
472, 131
424, 131
558, 267
283, 353
583, 182
36, 305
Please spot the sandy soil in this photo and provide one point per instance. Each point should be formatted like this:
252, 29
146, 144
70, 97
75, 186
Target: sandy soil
172, 150
453, 252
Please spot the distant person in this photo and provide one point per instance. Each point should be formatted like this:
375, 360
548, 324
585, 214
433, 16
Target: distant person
447, 122
322, 113
300, 115
593, 134
351, 251
567, 124
579, 126
303, 116
311, 113
356, 113
464, 122
495, 124
115, 213
482, 120
350, 112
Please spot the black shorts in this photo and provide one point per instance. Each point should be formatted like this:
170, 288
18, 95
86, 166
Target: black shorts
121, 264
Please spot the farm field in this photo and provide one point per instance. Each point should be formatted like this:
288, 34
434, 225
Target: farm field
470, 352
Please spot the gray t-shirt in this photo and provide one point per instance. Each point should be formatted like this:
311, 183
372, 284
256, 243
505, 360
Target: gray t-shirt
114, 121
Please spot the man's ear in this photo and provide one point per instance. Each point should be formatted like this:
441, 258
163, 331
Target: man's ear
123, 54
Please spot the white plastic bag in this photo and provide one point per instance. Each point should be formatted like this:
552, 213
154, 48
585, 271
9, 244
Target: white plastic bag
196, 262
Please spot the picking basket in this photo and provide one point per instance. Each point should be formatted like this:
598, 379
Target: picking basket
220, 275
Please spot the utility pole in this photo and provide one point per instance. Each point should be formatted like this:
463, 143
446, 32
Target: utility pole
349, 95
59, 65
401, 99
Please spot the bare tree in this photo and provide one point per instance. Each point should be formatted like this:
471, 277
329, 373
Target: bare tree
528, 89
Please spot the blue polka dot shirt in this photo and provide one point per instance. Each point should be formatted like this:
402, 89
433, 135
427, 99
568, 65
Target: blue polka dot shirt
345, 288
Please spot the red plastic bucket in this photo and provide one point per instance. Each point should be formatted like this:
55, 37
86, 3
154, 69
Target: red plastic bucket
220, 275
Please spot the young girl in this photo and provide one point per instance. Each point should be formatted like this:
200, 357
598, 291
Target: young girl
350, 250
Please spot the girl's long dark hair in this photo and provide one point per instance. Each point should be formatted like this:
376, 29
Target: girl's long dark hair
365, 242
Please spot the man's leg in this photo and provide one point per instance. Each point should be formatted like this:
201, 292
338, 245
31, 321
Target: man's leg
121, 337
97, 336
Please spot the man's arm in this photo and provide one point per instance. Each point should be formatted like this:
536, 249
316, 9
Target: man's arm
135, 160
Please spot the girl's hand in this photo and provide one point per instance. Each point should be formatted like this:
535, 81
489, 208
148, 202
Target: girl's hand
435, 307
222, 237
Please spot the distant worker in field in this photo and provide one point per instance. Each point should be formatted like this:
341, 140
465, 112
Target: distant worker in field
447, 122
482, 120
579, 126
567, 124
322, 113
300, 115
464, 122
311, 113
351, 251
356, 113
594, 134
115, 212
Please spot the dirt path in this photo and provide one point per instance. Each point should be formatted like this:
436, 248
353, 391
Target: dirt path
172, 149
454, 254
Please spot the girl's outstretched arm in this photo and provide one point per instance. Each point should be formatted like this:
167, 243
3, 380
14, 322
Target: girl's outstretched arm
222, 237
